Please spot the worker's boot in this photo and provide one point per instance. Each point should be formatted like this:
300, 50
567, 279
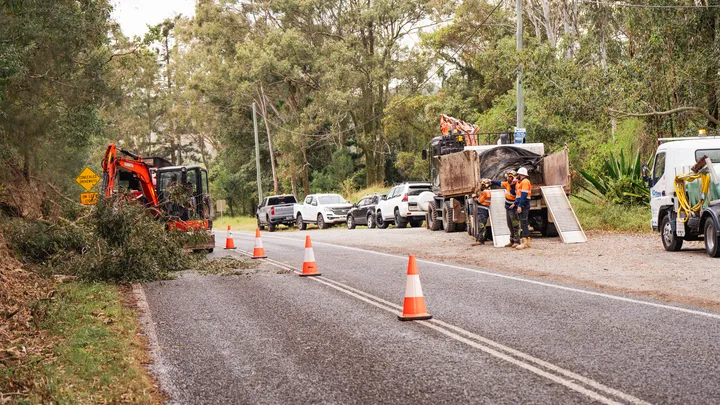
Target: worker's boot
529, 242
511, 244
523, 244
478, 243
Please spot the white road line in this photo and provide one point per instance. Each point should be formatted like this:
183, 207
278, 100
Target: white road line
544, 284
456, 333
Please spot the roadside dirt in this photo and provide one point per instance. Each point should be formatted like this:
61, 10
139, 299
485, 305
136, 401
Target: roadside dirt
625, 263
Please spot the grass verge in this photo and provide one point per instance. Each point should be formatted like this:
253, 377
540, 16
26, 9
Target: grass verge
602, 216
91, 352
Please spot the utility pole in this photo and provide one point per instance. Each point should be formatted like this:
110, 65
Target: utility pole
257, 156
519, 37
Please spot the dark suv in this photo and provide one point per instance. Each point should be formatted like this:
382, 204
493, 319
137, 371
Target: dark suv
363, 213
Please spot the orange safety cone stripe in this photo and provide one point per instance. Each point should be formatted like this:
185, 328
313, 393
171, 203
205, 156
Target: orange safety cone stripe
414, 302
258, 251
229, 241
309, 265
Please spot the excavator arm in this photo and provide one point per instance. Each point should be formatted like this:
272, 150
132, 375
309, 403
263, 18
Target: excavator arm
112, 163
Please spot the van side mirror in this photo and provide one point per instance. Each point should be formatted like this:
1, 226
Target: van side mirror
645, 173
424, 154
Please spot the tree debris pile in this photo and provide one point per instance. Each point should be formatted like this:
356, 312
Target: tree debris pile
495, 162
118, 240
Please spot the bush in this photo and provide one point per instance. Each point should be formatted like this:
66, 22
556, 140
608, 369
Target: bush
620, 182
119, 241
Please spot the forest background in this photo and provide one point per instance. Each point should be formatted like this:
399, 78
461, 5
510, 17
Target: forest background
347, 92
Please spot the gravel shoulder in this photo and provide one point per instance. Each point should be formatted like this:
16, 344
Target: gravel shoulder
626, 263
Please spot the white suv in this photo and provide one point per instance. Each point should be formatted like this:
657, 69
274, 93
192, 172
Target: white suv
400, 206
321, 209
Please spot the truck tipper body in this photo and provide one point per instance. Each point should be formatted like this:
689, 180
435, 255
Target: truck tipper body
456, 171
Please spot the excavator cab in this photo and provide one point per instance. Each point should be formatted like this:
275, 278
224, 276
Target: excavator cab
184, 194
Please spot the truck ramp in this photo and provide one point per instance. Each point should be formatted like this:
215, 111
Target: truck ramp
498, 221
563, 215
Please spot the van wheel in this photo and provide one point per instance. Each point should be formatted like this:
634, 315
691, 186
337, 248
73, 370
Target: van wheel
711, 240
671, 242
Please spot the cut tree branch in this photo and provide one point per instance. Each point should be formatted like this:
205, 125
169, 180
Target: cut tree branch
670, 112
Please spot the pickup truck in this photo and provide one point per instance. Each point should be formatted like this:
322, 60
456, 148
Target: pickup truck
321, 209
276, 210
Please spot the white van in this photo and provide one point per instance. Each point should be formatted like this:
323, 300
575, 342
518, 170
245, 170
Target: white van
676, 156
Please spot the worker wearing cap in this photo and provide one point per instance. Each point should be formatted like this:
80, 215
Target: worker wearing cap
510, 210
482, 211
523, 191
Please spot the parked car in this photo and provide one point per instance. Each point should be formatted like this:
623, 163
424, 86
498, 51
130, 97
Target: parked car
275, 210
363, 213
321, 209
400, 206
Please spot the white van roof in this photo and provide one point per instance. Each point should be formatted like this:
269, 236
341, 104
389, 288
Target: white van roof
710, 142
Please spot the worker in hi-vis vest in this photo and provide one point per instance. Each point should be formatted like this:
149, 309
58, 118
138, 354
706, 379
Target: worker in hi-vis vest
523, 190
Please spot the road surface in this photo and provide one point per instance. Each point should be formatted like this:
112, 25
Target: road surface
494, 338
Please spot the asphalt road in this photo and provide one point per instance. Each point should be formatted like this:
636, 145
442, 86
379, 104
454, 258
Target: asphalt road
494, 338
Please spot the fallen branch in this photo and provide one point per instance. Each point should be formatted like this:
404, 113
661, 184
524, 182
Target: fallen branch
53, 188
670, 112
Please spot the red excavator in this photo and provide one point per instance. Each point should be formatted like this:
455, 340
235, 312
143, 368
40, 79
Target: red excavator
152, 181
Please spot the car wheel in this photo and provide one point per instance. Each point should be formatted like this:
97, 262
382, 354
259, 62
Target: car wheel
321, 222
671, 242
711, 239
350, 222
300, 224
400, 222
381, 222
371, 221
260, 225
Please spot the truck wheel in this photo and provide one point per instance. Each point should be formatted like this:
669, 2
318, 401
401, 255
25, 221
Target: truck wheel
548, 228
270, 225
447, 219
470, 218
350, 222
381, 222
434, 223
321, 222
260, 225
400, 222
671, 242
371, 221
712, 248
300, 224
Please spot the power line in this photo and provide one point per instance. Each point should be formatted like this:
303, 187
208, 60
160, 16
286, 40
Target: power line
621, 4
406, 97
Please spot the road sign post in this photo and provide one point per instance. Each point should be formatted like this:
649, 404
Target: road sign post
220, 206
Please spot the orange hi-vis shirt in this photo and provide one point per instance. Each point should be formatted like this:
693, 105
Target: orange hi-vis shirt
523, 192
484, 198
509, 191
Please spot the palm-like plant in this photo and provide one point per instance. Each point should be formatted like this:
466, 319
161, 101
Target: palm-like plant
620, 181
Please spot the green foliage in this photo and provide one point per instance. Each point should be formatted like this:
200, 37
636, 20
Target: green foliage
119, 241
620, 182
597, 214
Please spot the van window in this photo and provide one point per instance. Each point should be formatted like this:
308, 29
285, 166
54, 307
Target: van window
713, 154
659, 168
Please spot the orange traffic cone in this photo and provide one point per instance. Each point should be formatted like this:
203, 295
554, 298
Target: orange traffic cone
414, 305
229, 242
309, 265
258, 252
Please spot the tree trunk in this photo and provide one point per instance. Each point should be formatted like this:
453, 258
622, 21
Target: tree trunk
549, 28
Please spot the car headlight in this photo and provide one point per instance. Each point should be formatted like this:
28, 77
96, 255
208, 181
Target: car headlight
328, 210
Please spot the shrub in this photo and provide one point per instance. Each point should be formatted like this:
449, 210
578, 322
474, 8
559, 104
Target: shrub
620, 181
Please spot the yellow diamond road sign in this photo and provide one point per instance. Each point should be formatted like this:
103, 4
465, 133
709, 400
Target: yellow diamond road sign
87, 179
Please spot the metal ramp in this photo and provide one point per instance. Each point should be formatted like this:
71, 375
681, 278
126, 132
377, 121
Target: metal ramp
498, 221
563, 215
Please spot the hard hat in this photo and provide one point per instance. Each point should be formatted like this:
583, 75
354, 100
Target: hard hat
512, 173
522, 171
485, 182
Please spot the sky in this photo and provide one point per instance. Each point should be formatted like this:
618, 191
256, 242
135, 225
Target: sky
135, 15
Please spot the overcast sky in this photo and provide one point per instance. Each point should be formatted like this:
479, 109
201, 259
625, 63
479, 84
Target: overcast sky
135, 15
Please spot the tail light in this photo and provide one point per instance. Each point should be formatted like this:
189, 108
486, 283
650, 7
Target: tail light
405, 197
272, 210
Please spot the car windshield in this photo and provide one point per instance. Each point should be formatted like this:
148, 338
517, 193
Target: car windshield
331, 199
416, 190
285, 199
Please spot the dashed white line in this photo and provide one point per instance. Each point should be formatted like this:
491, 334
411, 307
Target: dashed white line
566, 378
524, 280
